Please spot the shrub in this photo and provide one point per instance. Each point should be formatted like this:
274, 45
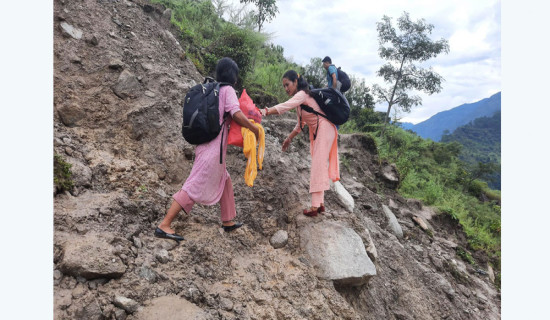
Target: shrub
62, 177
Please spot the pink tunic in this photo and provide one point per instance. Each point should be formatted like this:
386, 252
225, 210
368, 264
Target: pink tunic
207, 179
324, 149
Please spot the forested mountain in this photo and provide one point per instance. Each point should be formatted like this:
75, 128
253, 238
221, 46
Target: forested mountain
434, 127
481, 141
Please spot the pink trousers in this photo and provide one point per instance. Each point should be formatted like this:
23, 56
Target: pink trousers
227, 201
317, 198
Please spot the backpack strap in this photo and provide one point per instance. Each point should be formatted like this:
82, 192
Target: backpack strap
221, 142
310, 110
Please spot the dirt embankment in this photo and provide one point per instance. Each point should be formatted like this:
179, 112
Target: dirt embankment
119, 79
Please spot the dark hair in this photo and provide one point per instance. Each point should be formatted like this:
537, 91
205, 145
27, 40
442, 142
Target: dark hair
327, 59
227, 70
302, 82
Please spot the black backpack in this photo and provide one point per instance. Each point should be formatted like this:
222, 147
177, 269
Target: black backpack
344, 79
333, 103
201, 117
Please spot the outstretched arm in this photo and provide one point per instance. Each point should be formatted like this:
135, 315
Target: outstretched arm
241, 120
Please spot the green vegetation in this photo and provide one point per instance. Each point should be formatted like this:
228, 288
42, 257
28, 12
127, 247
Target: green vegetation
431, 171
62, 177
481, 151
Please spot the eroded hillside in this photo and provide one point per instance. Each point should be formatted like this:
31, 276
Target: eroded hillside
119, 79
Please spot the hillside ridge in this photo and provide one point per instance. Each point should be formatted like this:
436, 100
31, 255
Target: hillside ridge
120, 75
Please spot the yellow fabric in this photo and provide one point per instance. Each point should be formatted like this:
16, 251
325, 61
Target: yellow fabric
249, 150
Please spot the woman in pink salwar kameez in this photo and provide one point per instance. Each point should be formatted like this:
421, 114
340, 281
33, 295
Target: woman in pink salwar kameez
323, 136
209, 182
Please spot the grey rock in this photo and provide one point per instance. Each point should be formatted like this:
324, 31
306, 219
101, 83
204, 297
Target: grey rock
371, 248
491, 273
92, 40
150, 94
120, 314
70, 31
57, 275
279, 239
116, 64
343, 196
393, 205
390, 176
81, 173
137, 242
127, 304
71, 114
415, 203
162, 256
91, 311
392, 222
338, 253
127, 85
78, 291
90, 257
149, 274
226, 304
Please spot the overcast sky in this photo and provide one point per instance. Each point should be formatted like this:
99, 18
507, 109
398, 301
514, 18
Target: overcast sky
345, 30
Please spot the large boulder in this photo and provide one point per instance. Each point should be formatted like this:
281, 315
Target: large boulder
91, 257
337, 252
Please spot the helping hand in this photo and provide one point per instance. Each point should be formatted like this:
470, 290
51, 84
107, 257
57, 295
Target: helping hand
286, 144
263, 112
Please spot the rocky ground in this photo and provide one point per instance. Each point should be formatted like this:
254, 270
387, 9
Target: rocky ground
119, 79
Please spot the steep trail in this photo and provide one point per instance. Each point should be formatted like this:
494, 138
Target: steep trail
118, 90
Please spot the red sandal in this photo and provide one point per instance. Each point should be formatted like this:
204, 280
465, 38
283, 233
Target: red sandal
312, 213
322, 208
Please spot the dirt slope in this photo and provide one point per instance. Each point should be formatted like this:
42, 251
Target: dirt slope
119, 80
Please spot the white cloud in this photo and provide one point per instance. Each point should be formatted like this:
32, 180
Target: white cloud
345, 30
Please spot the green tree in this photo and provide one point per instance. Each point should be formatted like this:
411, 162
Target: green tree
267, 9
402, 49
315, 73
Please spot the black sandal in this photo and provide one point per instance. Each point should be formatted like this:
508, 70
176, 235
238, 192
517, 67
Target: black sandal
233, 227
161, 234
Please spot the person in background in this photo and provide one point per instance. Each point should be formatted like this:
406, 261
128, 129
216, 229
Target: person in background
209, 182
322, 135
332, 74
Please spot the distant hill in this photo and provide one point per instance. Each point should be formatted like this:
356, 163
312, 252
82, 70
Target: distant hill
481, 143
434, 127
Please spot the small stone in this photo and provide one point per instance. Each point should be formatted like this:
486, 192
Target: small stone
70, 31
127, 304
137, 242
120, 314
149, 274
162, 256
269, 208
116, 64
57, 275
279, 239
491, 273
150, 94
226, 304
78, 291
92, 40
